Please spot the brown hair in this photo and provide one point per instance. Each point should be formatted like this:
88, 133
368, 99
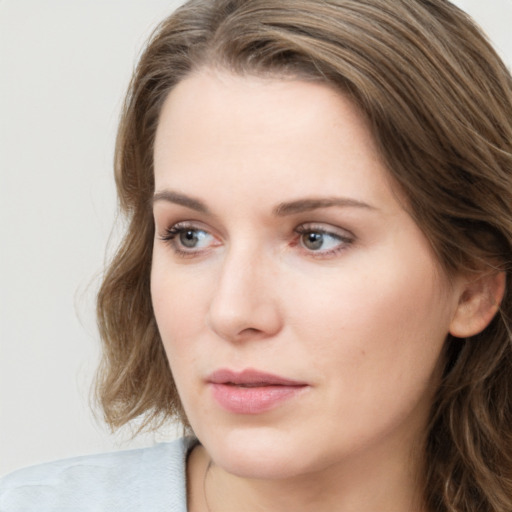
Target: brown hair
439, 101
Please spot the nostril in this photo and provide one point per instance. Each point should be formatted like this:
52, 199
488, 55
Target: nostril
250, 330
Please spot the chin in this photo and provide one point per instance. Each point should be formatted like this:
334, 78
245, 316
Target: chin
259, 453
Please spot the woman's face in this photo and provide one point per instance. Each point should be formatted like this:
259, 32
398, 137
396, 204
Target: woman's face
301, 308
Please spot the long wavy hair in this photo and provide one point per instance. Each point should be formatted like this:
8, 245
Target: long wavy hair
439, 103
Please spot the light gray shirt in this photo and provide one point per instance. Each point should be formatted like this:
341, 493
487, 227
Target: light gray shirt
149, 479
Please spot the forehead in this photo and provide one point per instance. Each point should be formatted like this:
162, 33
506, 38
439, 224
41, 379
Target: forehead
217, 128
281, 105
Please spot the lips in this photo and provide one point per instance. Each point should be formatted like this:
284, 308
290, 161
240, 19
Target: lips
252, 391
250, 378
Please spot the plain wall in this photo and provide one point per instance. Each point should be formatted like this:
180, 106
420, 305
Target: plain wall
64, 68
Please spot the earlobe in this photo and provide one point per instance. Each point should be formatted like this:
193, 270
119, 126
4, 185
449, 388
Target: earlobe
479, 301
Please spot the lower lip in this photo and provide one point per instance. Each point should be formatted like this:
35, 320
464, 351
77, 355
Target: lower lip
253, 400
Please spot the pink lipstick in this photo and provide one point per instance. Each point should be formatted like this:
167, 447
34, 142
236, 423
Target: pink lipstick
251, 391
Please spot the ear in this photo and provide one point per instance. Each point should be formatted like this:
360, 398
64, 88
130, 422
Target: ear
479, 301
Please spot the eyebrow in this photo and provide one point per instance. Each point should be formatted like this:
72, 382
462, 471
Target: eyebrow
181, 199
304, 205
281, 210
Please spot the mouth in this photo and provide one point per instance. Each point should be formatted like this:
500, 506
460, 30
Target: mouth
252, 391
250, 378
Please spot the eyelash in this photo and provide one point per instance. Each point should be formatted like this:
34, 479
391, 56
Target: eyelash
345, 240
172, 233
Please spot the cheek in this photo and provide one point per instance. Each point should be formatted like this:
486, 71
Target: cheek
180, 315
375, 342
179, 304
378, 328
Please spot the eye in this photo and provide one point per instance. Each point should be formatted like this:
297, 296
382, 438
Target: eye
193, 238
186, 239
323, 240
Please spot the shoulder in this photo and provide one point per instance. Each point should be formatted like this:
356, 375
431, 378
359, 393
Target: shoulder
149, 479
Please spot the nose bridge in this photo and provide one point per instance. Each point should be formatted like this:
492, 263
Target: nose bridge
244, 302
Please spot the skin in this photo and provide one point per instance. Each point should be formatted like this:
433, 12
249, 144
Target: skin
361, 317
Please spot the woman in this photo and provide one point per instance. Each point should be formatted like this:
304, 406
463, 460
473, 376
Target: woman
316, 275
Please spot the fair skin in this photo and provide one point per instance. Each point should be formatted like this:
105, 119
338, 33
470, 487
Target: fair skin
281, 247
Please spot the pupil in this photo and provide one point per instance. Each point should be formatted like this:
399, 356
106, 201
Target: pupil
189, 238
314, 240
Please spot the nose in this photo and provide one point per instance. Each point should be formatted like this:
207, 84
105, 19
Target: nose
244, 305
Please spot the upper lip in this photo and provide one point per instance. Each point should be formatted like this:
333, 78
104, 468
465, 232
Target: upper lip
250, 377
